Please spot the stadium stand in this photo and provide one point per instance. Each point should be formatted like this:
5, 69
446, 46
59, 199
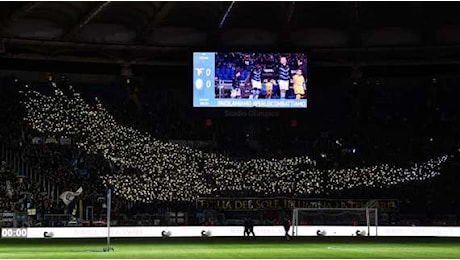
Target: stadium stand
67, 160
83, 106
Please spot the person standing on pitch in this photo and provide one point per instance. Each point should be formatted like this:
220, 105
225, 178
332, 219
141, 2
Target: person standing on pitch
246, 228
251, 228
287, 226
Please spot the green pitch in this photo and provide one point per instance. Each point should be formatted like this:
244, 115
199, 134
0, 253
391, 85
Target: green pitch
321, 247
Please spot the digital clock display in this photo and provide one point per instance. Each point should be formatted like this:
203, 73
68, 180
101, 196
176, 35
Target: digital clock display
14, 233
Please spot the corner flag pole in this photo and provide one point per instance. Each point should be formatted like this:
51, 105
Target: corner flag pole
109, 205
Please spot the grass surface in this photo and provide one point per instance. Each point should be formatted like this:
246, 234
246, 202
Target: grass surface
234, 248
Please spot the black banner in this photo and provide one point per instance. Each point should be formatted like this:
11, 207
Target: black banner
247, 204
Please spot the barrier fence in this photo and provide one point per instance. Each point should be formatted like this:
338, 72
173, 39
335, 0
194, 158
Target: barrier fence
225, 231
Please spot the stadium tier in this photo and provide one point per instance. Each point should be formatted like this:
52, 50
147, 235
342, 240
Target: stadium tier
65, 142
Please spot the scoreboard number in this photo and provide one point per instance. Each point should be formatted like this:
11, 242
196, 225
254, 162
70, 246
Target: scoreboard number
14, 233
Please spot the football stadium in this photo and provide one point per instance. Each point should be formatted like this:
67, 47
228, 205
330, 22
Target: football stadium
221, 130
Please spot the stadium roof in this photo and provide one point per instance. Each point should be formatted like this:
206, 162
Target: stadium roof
164, 32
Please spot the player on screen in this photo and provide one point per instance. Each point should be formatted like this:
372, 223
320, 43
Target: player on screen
299, 84
256, 80
269, 88
302, 65
284, 75
236, 91
217, 91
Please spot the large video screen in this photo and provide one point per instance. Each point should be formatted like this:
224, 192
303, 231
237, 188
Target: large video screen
241, 79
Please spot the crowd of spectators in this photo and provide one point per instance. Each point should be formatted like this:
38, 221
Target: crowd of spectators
19, 194
54, 160
228, 63
169, 172
142, 168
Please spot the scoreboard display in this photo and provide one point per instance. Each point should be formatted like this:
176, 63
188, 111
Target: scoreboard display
13, 233
240, 79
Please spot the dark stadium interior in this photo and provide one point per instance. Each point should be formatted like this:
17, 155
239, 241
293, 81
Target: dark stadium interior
384, 88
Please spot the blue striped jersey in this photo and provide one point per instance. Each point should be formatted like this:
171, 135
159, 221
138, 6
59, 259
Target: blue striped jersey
256, 74
284, 72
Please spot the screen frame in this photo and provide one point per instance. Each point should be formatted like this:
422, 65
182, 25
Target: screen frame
306, 51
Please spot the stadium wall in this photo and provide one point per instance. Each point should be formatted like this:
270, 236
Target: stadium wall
231, 231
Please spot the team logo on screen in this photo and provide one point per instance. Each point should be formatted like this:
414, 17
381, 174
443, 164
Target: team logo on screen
199, 84
199, 71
